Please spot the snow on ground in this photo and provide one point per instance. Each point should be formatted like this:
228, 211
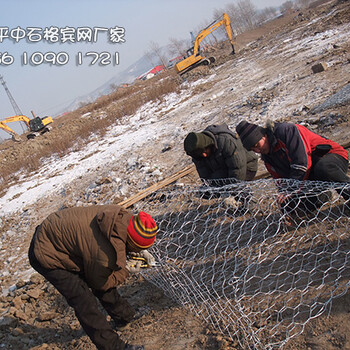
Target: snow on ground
243, 79
317, 44
57, 172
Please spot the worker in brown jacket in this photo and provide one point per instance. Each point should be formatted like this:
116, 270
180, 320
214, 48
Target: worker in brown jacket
82, 251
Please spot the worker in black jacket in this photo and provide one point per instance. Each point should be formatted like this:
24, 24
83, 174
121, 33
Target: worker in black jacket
219, 154
221, 159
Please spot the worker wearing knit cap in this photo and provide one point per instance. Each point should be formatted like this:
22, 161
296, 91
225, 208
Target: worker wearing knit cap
196, 142
142, 231
291, 151
83, 251
219, 155
250, 134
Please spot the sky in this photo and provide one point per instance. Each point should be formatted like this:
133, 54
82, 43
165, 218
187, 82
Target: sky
42, 87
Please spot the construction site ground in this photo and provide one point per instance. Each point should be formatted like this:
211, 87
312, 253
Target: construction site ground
270, 77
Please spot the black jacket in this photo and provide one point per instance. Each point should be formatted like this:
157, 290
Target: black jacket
229, 158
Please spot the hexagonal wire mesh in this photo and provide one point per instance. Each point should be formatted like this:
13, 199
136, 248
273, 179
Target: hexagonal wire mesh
256, 270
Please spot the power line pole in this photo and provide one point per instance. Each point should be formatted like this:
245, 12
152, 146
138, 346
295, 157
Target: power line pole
12, 100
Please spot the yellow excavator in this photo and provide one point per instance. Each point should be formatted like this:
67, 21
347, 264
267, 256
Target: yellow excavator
36, 125
194, 57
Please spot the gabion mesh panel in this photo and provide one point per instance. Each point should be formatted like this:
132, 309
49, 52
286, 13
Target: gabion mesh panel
256, 270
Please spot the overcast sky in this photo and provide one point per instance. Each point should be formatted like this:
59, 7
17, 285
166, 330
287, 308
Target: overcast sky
46, 88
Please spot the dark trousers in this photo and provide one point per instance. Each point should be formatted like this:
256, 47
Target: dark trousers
84, 302
332, 167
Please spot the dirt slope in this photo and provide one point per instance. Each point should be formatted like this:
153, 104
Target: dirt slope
35, 316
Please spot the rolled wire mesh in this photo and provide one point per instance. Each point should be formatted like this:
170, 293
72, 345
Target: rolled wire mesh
255, 270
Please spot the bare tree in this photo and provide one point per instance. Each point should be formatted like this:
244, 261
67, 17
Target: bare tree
113, 86
266, 14
303, 3
286, 7
243, 15
248, 13
217, 13
199, 29
150, 57
236, 20
157, 51
217, 16
177, 47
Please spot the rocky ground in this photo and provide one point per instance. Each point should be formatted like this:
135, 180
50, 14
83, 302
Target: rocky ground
272, 76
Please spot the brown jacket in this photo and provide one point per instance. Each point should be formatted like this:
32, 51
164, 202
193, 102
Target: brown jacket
88, 240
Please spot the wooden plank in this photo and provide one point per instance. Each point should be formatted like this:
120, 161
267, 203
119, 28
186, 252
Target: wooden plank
149, 190
263, 175
186, 171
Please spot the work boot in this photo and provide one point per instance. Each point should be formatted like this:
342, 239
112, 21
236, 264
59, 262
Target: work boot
134, 347
119, 323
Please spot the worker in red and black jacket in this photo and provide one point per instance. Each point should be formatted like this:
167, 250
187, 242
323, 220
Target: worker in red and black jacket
291, 151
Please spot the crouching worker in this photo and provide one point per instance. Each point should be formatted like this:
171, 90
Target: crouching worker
221, 159
218, 154
291, 151
83, 251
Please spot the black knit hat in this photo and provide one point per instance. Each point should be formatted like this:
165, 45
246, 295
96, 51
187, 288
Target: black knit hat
196, 143
250, 134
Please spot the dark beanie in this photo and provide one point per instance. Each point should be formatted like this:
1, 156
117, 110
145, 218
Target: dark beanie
195, 142
250, 134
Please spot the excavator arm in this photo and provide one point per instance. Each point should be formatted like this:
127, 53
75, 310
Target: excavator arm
6, 128
205, 32
195, 58
17, 118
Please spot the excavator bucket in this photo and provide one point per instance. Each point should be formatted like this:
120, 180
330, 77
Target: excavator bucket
16, 138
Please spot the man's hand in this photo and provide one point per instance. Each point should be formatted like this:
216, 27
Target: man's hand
282, 198
144, 258
151, 261
288, 208
133, 266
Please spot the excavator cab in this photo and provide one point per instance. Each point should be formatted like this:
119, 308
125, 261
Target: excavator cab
190, 51
36, 124
39, 126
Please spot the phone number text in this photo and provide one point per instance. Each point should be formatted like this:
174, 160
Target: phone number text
61, 58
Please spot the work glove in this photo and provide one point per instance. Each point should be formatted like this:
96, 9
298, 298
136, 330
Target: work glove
133, 266
140, 260
151, 261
